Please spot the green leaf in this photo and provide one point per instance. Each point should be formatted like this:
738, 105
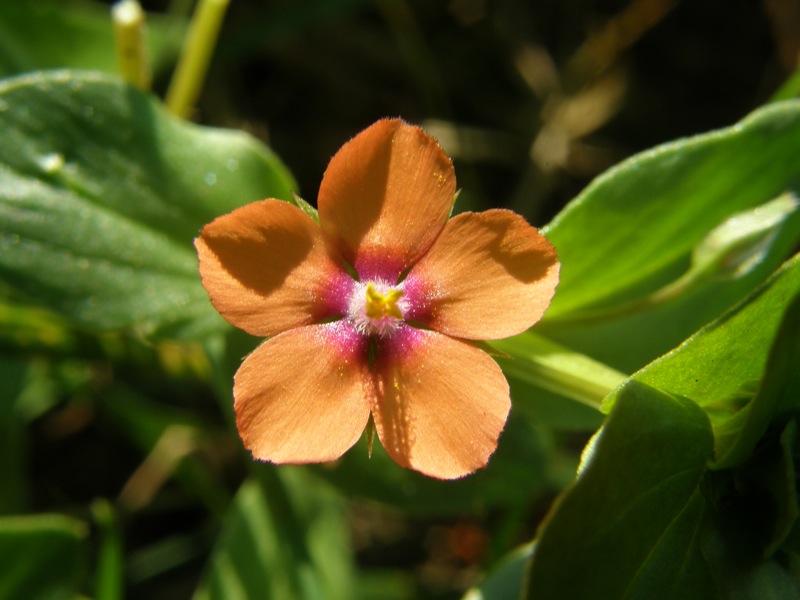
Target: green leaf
628, 526
717, 365
633, 232
738, 435
653, 209
285, 537
101, 194
704, 542
43, 556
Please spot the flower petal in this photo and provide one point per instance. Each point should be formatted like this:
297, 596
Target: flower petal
440, 403
266, 268
489, 275
385, 196
302, 396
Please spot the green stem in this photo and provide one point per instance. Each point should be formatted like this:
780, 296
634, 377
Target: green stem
192, 66
108, 577
553, 367
129, 32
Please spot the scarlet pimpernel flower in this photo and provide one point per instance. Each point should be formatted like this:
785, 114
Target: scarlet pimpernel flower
373, 310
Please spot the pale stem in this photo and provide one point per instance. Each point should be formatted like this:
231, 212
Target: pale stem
192, 66
129, 33
555, 368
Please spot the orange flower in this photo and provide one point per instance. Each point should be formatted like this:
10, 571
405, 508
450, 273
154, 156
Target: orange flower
393, 342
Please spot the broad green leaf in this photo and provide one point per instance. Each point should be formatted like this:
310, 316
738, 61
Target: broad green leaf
101, 194
646, 518
43, 556
779, 391
650, 211
631, 235
709, 528
49, 34
628, 527
285, 537
717, 365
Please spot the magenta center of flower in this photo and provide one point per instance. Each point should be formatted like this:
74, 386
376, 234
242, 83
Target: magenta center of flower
377, 307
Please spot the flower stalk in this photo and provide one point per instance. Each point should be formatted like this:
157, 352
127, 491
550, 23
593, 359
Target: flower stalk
553, 367
190, 72
129, 33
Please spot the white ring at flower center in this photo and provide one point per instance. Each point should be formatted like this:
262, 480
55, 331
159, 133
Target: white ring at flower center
357, 308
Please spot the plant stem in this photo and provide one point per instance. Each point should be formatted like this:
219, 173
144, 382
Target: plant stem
553, 367
192, 66
129, 32
108, 573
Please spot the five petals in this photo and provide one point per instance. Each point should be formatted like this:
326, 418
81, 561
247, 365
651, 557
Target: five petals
306, 394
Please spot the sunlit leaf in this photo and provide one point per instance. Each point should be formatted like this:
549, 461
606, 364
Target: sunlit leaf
635, 228
652, 209
716, 366
101, 194
779, 391
646, 517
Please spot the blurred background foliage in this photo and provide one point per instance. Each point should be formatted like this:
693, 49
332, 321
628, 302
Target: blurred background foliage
531, 99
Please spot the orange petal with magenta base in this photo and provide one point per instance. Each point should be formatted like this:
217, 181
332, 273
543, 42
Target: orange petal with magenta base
266, 268
440, 403
302, 397
385, 196
489, 275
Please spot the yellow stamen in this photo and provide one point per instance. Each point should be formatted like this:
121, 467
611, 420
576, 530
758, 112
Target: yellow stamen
382, 305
